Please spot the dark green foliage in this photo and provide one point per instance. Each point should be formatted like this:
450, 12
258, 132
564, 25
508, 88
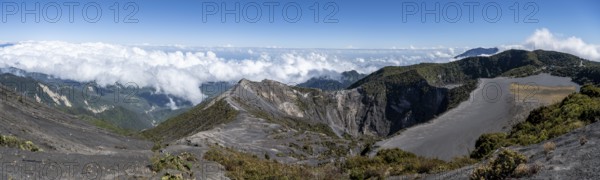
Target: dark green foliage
591, 91
575, 111
586, 75
460, 94
488, 143
501, 167
200, 118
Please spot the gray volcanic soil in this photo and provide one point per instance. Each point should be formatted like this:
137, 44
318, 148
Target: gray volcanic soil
251, 134
570, 159
491, 108
73, 148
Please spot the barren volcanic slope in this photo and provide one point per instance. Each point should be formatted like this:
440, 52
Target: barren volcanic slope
124, 105
65, 142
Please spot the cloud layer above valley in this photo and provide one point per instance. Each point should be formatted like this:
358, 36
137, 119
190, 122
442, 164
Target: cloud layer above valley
180, 71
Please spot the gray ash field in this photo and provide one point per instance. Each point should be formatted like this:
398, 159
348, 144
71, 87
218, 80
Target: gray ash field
491, 108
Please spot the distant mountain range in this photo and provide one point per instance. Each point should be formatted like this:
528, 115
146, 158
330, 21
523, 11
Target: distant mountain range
477, 52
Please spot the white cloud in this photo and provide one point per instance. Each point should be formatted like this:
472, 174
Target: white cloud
544, 39
180, 72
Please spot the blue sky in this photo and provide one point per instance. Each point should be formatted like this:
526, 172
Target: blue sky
357, 24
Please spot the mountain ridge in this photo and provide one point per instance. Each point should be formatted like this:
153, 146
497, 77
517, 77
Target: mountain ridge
391, 98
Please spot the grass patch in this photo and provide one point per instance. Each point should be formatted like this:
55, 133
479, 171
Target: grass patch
246, 166
109, 126
200, 118
14, 142
182, 162
394, 162
386, 163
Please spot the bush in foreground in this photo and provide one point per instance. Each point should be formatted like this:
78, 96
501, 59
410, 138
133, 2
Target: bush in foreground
182, 162
14, 142
509, 163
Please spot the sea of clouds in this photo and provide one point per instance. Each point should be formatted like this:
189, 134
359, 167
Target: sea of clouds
180, 70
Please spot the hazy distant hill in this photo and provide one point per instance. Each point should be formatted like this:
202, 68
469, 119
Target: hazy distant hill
477, 52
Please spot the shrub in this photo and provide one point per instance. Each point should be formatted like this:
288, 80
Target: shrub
394, 155
501, 167
487, 143
522, 170
14, 142
549, 147
169, 176
182, 162
590, 90
583, 140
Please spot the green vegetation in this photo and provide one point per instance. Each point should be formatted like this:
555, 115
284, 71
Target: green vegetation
487, 143
182, 162
119, 116
460, 94
393, 162
169, 176
14, 142
245, 166
502, 167
109, 126
386, 163
200, 118
575, 111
